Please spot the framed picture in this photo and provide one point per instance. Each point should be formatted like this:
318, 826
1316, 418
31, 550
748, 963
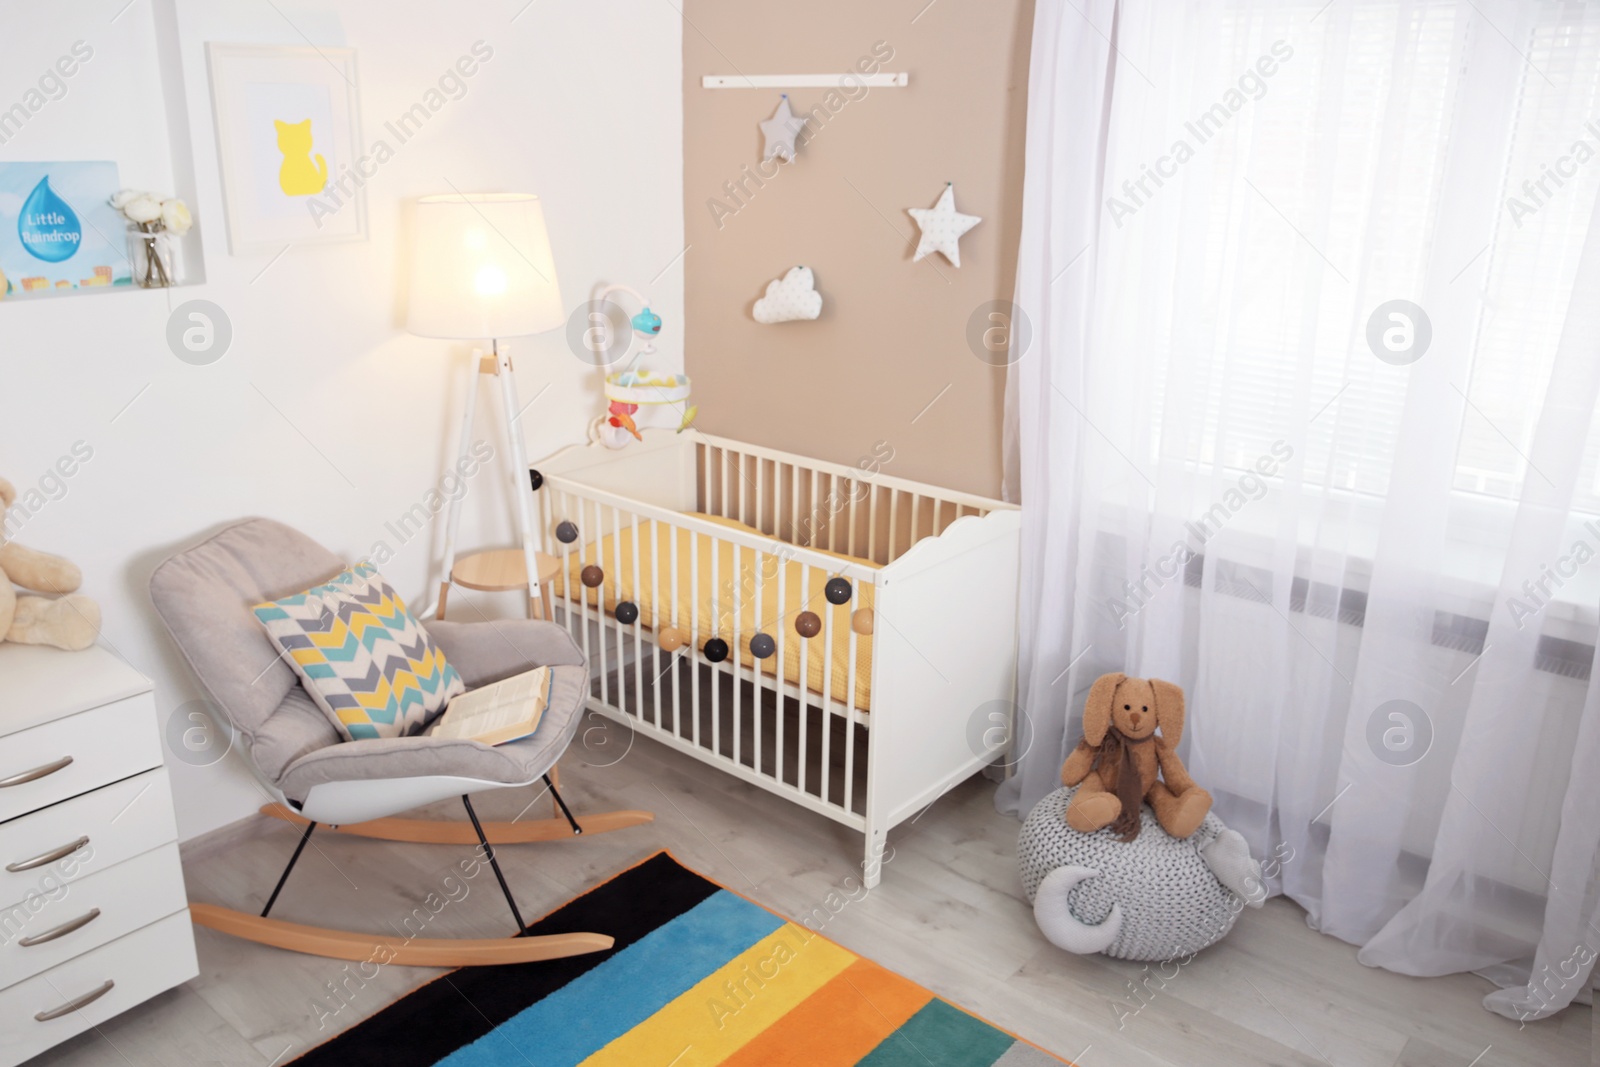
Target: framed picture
288, 126
59, 233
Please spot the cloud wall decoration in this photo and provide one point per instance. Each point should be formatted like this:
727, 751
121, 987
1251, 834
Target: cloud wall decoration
792, 297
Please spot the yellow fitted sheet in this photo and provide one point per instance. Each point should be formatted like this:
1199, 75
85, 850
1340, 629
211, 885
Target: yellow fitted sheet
655, 603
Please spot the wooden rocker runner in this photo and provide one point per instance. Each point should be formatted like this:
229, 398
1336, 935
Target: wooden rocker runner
204, 595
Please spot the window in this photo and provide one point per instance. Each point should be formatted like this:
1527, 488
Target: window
1344, 157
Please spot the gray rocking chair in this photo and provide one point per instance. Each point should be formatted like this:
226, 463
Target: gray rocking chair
204, 595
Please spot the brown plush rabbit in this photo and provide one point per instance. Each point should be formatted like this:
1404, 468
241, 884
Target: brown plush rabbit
1122, 761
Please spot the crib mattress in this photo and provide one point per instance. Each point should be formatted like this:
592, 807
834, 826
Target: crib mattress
803, 585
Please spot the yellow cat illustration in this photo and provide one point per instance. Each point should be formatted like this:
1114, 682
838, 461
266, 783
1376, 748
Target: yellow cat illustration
299, 176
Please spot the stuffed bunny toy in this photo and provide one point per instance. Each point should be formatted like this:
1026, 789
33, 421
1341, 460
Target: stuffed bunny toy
1122, 762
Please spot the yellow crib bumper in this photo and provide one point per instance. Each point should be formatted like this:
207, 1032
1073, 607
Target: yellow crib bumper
705, 609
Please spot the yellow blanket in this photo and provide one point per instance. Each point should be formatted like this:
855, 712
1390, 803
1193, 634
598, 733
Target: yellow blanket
803, 587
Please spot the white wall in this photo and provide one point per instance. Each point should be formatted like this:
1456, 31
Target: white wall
324, 414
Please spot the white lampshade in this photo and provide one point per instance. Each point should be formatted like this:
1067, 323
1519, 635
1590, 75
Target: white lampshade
481, 268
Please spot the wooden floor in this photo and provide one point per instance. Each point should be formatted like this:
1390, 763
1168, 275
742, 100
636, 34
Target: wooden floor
949, 914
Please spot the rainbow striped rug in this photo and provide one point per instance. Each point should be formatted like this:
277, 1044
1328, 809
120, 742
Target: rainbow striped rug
699, 976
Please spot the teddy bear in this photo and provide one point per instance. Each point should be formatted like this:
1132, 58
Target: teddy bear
70, 621
1122, 762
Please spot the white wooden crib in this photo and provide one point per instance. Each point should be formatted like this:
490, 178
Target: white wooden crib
939, 567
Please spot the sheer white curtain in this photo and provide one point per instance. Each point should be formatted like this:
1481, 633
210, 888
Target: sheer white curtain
1363, 535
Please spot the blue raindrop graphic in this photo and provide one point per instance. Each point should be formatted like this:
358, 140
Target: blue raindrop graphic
48, 228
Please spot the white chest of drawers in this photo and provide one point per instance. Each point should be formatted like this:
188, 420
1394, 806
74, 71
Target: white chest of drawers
93, 917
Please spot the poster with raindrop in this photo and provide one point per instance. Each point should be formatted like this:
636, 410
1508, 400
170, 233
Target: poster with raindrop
59, 233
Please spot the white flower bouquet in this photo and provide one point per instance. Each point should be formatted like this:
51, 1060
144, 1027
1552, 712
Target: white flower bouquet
155, 221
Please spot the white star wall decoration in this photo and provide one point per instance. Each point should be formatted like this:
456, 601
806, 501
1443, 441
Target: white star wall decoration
780, 131
942, 227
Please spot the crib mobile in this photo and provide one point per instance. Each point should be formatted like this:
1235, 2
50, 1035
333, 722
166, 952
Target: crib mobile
632, 388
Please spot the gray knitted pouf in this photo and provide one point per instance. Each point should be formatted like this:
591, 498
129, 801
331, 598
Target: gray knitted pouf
1167, 894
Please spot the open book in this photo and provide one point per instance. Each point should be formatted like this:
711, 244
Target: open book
498, 713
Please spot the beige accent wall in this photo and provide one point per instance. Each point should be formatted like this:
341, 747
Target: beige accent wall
893, 334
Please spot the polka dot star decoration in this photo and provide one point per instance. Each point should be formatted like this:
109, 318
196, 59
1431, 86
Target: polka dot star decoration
942, 226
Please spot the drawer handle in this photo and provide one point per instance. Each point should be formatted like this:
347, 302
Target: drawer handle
48, 857
37, 773
61, 931
73, 1005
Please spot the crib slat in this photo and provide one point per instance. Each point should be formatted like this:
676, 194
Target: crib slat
616, 584
594, 530
850, 718
811, 512
715, 627
694, 633
761, 486
673, 658
635, 582
830, 510
872, 523
575, 621
705, 481
850, 546
782, 628
758, 676
827, 703
803, 679
725, 508
746, 491
735, 653
836, 509
655, 619
894, 515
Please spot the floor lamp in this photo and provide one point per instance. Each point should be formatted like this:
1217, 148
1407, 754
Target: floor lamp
481, 269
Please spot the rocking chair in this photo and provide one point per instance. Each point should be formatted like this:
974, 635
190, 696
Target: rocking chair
204, 595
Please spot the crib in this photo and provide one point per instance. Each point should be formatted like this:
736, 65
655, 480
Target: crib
707, 538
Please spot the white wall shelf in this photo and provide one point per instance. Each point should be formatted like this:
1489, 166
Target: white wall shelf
883, 80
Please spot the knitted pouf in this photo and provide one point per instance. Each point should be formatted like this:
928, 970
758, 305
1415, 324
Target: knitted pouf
1171, 903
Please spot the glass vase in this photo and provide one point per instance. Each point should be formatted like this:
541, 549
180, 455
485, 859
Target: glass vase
154, 259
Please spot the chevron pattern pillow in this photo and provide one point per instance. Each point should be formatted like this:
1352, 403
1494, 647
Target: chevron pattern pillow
369, 665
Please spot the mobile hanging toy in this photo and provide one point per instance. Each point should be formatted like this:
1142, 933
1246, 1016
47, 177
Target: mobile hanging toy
633, 392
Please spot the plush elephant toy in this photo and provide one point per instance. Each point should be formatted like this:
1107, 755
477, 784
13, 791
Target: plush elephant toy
69, 621
1122, 762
